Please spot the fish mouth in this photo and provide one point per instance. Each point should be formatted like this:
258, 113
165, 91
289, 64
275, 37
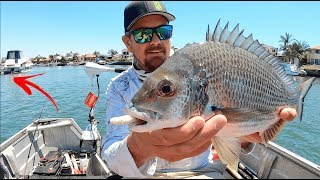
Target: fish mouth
141, 117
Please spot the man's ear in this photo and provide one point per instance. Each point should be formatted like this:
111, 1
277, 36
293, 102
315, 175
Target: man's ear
127, 41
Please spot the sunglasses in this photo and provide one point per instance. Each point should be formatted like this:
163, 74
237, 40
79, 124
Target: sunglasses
145, 35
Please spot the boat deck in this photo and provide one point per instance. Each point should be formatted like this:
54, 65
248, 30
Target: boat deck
34, 146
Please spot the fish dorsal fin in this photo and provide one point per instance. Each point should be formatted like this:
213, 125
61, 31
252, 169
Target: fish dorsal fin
208, 38
236, 39
217, 32
224, 34
233, 35
246, 43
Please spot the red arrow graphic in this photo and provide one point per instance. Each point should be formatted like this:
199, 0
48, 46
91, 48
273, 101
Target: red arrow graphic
23, 82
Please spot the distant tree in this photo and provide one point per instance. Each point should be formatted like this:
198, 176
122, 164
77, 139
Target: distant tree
112, 52
97, 53
285, 40
69, 53
296, 49
304, 59
51, 57
75, 56
38, 58
292, 48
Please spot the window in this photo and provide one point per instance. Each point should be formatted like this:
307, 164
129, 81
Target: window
11, 55
317, 51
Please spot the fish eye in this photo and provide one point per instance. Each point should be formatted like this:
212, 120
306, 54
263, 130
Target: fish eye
166, 88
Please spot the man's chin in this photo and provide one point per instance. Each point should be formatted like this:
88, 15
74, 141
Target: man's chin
150, 67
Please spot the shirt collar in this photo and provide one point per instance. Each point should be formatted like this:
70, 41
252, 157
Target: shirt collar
142, 74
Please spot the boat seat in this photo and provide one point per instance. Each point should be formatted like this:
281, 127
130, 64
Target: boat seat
9, 155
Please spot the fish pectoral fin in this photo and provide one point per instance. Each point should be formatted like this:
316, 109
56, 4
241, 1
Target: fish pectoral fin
272, 132
228, 150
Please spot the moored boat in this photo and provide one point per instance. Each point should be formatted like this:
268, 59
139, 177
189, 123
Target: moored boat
291, 69
14, 62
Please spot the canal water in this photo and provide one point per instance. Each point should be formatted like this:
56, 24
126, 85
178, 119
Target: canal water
69, 86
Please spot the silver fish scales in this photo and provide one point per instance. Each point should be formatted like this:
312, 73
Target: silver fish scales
230, 74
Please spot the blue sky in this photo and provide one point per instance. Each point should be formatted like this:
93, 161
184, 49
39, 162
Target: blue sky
59, 27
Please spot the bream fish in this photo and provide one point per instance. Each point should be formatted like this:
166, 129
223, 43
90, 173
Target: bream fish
228, 74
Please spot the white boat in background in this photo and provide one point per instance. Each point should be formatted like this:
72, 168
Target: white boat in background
15, 62
26, 67
291, 69
302, 72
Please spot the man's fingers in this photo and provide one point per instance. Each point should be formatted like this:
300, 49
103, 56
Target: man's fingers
171, 136
288, 114
180, 156
211, 127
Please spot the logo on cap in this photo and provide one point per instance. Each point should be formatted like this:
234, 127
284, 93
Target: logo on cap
157, 5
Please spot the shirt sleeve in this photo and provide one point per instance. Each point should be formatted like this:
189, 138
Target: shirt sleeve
115, 151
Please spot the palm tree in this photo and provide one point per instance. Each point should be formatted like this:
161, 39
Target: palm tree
285, 40
75, 56
112, 52
296, 49
51, 57
97, 53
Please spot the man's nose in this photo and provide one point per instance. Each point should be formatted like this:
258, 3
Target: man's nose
155, 39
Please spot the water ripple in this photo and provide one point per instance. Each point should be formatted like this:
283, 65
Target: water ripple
70, 85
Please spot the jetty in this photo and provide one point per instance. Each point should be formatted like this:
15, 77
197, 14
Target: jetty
312, 70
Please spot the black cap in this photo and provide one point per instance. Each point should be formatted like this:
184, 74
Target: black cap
138, 9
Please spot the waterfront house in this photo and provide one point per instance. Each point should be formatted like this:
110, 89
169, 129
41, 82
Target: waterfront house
88, 58
126, 54
117, 57
313, 55
272, 50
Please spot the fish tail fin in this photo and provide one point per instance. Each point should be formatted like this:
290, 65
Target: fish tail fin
303, 89
228, 150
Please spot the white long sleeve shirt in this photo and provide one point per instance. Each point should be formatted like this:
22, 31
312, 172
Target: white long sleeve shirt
115, 151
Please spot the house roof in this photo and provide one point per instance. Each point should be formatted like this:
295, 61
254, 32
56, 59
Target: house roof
315, 47
90, 55
268, 46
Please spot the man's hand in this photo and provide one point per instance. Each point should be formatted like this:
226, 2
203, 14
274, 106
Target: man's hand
286, 114
173, 144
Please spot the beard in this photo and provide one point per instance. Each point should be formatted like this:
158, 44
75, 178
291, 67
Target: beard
152, 60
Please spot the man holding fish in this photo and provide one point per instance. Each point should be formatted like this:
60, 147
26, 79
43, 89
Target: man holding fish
176, 149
